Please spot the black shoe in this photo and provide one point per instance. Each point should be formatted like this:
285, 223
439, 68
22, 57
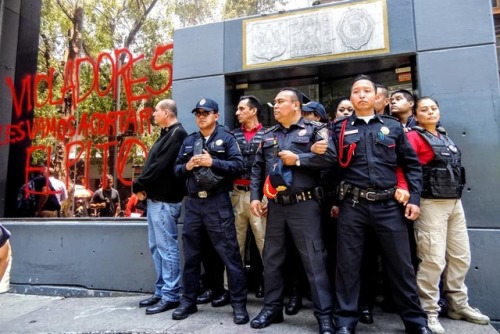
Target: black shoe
345, 330
259, 293
150, 301
325, 323
221, 300
366, 315
266, 317
294, 305
162, 306
419, 330
184, 310
240, 315
205, 297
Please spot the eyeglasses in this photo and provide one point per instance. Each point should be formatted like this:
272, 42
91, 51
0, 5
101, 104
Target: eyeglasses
204, 113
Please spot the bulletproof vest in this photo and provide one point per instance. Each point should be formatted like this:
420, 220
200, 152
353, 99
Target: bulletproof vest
444, 177
248, 149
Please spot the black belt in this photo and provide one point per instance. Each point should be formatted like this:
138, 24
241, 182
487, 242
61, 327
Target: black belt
369, 194
242, 188
316, 193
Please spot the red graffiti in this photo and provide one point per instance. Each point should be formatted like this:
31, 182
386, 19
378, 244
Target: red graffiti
118, 67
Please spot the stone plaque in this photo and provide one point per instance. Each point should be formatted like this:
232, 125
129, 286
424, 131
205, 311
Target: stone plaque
342, 30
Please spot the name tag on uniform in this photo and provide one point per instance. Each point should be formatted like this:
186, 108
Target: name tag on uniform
350, 132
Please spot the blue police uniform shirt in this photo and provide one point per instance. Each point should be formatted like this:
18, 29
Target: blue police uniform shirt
227, 160
298, 138
381, 145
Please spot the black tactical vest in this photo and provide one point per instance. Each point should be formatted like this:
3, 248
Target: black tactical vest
248, 149
444, 177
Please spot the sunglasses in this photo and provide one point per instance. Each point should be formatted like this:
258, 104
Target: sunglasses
199, 113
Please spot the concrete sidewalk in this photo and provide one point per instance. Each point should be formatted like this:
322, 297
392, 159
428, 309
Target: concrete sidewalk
25, 314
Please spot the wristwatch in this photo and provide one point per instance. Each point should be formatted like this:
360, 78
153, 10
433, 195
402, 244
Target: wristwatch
297, 162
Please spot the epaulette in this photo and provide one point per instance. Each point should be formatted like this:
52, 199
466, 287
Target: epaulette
317, 124
194, 133
389, 117
272, 128
226, 130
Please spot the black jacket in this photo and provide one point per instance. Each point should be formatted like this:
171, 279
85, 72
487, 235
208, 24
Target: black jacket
157, 177
225, 152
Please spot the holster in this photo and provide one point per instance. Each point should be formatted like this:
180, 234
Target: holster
344, 189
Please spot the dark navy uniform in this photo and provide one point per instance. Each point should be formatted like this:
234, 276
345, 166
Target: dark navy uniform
212, 211
370, 154
297, 208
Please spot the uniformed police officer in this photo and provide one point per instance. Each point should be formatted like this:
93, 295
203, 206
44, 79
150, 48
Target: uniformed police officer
209, 159
295, 206
369, 148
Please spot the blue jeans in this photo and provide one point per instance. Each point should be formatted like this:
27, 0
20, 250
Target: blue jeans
162, 239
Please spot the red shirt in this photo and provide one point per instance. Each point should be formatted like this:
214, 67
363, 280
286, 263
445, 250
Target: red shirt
424, 152
249, 134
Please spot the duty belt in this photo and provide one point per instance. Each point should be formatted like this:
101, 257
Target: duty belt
316, 193
369, 194
200, 194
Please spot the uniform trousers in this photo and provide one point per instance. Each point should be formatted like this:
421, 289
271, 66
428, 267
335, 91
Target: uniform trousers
214, 215
243, 217
443, 248
304, 223
387, 221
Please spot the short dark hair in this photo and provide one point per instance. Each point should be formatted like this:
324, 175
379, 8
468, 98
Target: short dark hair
364, 77
425, 98
253, 102
298, 94
406, 93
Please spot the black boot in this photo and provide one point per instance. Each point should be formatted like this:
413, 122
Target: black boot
294, 303
325, 323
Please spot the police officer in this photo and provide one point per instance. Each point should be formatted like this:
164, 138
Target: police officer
285, 149
369, 147
249, 136
209, 160
441, 218
294, 271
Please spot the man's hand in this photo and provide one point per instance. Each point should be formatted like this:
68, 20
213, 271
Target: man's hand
288, 157
319, 147
205, 159
200, 160
412, 211
256, 208
402, 196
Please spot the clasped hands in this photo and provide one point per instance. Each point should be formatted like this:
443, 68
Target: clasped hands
200, 160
